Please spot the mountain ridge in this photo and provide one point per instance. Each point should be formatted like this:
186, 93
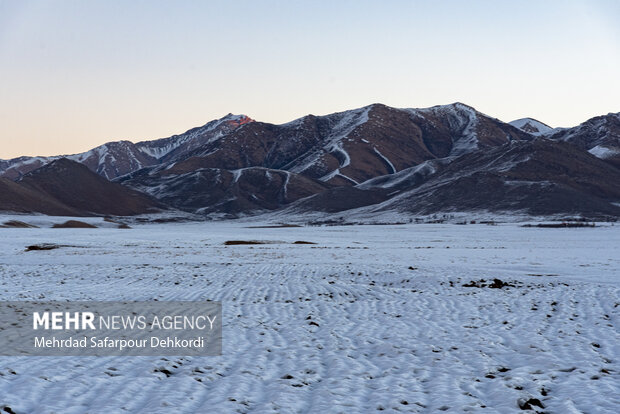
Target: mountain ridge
236, 166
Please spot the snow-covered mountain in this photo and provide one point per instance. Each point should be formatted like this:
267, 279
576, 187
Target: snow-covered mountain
320, 152
108, 160
363, 157
117, 158
350, 147
540, 177
343, 148
168, 149
531, 126
600, 136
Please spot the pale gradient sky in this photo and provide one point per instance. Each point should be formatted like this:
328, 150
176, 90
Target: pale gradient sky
76, 74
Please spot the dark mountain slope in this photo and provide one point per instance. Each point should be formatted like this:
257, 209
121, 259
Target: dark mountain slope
75, 186
17, 198
541, 177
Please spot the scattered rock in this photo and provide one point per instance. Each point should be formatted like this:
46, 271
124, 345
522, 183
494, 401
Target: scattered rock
275, 226
496, 284
473, 283
43, 246
242, 242
560, 225
529, 404
163, 371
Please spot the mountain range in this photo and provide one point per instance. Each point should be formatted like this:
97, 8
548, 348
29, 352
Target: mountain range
371, 160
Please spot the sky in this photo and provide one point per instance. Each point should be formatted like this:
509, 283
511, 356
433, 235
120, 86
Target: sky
77, 74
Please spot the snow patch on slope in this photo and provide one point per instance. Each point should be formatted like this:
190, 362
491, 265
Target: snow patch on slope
217, 129
344, 123
604, 152
384, 158
461, 118
424, 169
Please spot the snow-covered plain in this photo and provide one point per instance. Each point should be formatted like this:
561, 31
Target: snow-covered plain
369, 318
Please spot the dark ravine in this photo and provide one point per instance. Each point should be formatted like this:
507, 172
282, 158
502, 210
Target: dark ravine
377, 158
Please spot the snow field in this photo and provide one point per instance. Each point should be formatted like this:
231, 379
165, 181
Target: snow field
370, 318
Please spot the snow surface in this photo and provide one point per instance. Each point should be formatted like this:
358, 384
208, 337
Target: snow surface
397, 330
